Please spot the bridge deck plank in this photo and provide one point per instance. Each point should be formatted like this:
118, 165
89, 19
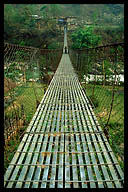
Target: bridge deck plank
64, 145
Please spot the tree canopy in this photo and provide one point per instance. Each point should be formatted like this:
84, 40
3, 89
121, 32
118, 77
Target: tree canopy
85, 38
35, 24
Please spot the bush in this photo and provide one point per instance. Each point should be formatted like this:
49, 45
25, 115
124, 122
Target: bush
94, 100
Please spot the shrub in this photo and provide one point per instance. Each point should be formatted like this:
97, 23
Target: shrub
94, 100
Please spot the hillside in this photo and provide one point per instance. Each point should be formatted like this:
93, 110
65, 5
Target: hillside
35, 24
99, 13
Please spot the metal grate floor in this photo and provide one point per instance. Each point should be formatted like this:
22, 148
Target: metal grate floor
64, 146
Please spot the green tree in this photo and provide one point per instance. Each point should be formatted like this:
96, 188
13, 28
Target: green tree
55, 10
85, 38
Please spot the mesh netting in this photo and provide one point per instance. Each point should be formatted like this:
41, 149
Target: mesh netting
101, 71
27, 73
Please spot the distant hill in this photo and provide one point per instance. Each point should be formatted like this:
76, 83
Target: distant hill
99, 13
22, 22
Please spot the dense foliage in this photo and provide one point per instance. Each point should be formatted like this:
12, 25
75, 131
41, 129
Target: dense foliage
21, 22
21, 25
84, 38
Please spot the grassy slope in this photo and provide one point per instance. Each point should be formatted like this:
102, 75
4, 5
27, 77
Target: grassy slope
26, 97
116, 123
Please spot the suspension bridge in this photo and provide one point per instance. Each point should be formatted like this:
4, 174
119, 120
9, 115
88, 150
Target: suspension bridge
64, 146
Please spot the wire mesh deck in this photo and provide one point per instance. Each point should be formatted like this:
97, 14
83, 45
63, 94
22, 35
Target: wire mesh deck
64, 146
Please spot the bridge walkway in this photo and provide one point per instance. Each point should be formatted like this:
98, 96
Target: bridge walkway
64, 145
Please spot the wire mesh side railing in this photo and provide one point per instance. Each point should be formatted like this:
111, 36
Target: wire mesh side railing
27, 73
101, 70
